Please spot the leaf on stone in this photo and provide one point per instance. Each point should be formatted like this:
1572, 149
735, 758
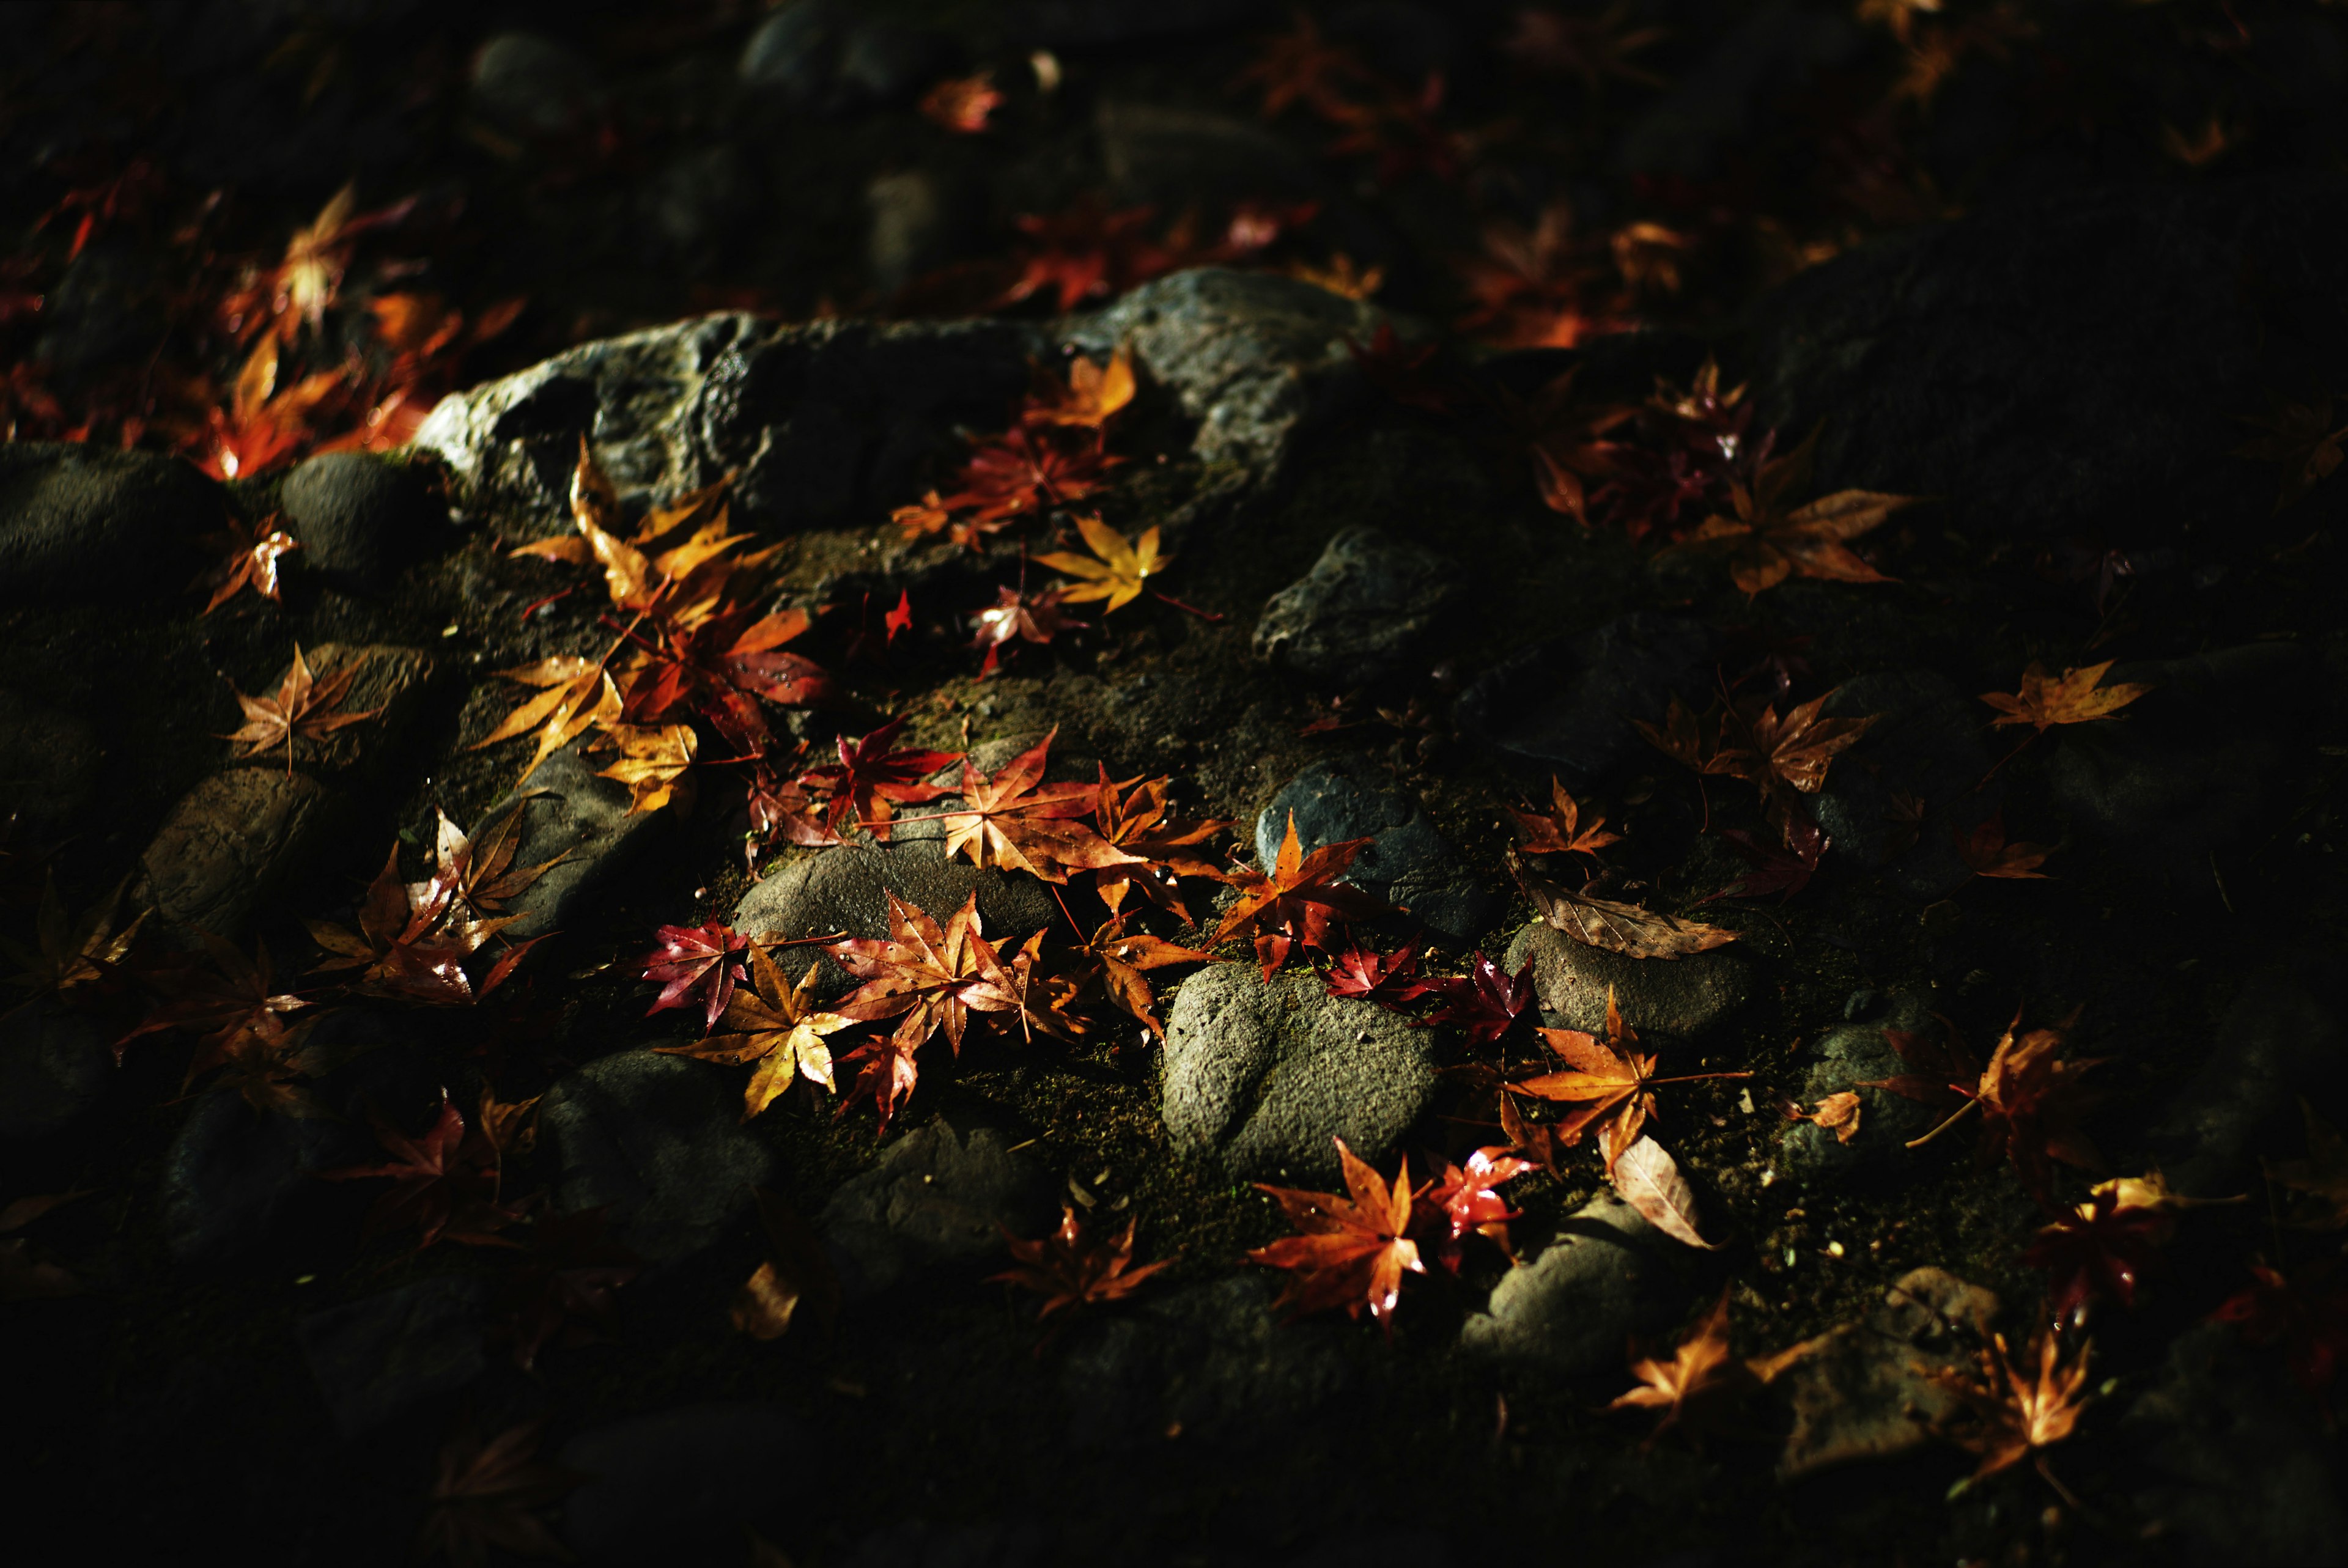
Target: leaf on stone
652, 762
1137, 817
1355, 1246
1012, 819
1466, 1199
1768, 540
1837, 1113
928, 977
1650, 1182
480, 873
1484, 1003
1117, 571
1292, 906
445, 1182
1363, 974
576, 694
1701, 1383
1121, 960
1017, 615
486, 1495
1609, 1083
69, 954
1612, 926
696, 967
1560, 830
250, 556
1071, 1270
304, 706
2075, 697
874, 772
775, 1026
1986, 853
1092, 393
796, 1276
2011, 1413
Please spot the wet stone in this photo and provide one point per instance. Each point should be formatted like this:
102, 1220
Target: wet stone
2283, 1040
526, 84
1572, 1306
1261, 1077
658, 1141
568, 811
242, 841
1568, 703
1362, 614
1863, 1391
80, 522
381, 1356
1925, 743
54, 1066
1408, 864
1842, 1059
1684, 1000
936, 1197
360, 520
681, 1485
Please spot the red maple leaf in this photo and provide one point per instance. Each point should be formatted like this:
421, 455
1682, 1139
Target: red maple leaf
563, 1291
1784, 872
1363, 974
446, 1182
1355, 1246
2101, 1248
1467, 1199
1292, 906
874, 772
1485, 1001
2305, 1314
696, 966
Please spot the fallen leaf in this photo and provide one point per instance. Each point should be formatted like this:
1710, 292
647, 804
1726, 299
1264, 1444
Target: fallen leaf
1650, 1183
1292, 906
652, 762
1986, 853
963, 104
1484, 1003
304, 706
1466, 1199
2321, 1177
797, 1273
778, 1027
1767, 541
2298, 438
1118, 569
1612, 926
1355, 1246
1094, 393
251, 554
563, 1289
1611, 1083
1071, 1270
695, 967
874, 772
445, 1182
2011, 1413
1559, 831
1011, 818
1840, 1114
487, 1495
2077, 697
1363, 974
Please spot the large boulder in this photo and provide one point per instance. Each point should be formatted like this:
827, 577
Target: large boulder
239, 842
81, 522
568, 811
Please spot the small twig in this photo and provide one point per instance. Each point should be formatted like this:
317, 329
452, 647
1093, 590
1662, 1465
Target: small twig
800, 941
2007, 758
2221, 881
534, 608
1191, 609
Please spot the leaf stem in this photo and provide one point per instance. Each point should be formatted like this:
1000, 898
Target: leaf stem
1954, 1117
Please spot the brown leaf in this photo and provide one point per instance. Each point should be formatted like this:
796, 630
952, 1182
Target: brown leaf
1012, 819
1615, 927
1294, 905
1650, 1183
486, 1495
1355, 1246
797, 1273
304, 706
2073, 698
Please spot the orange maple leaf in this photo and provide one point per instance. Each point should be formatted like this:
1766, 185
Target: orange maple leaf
1355, 1246
2077, 697
1012, 819
1768, 539
1294, 905
1609, 1083
1071, 1270
1559, 830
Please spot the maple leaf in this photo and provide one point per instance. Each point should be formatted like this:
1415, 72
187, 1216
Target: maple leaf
2323, 1177
446, 1182
265, 1064
69, 954
262, 426
479, 873
1701, 1382
653, 760
1559, 831
1355, 1246
1767, 540
408, 946
510, 1126
249, 555
1553, 44
1123, 566
1784, 872
2298, 438
2030, 1101
1012, 819
1532, 287
1028, 617
214, 1002
1467, 1199
928, 977
1612, 926
304, 706
2077, 697
1611, 1083
1362, 974
874, 772
1299, 66
1083, 252
1789, 756
1093, 395
1986, 853
1135, 818
485, 1495
797, 1273
311, 272
2012, 1414
562, 1289
963, 104
1292, 906
929, 515
1342, 277
2304, 1313
1680, 738
575, 695
696, 966
1121, 960
1837, 1113
1071, 1270
777, 1027
1485, 1001
2104, 1247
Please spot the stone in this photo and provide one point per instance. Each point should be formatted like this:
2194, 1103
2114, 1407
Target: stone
1573, 1309
568, 810
938, 1196
790, 54
1948, 359
682, 1485
1925, 743
1664, 999
1862, 1392
847, 888
1360, 615
1408, 863
698, 201
1843, 1059
360, 520
885, 61
1710, 110
376, 1358
244, 839
529, 84
1567, 702
80, 523
54, 1066
657, 1139
2283, 1040
1175, 157
2235, 1466
103, 312
51, 761
915, 221
390, 681
1261, 1077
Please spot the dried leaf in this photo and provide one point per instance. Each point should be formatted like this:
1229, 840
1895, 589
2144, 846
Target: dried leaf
1355, 1246
1118, 569
1615, 927
1650, 1183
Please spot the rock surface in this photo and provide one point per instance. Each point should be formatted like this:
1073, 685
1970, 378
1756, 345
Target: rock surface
658, 1141
1571, 1309
529, 84
1861, 1393
1360, 615
1567, 703
380, 1356
2283, 1040
1841, 1061
54, 1067
680, 1485
1925, 743
1668, 998
1408, 864
49, 761
80, 522
937, 1196
244, 839
359, 518
390, 681
1261, 1077
568, 811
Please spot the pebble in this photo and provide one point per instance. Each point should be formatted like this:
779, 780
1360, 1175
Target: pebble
1571, 1309
937, 1197
529, 84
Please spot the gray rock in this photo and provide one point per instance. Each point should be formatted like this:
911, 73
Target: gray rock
937, 1197
915, 221
1663, 999
54, 1066
659, 1141
791, 54
529, 84
1948, 360
48, 760
884, 60
1841, 1061
1925, 743
1713, 106
380, 1356
1574, 1308
1261, 1077
2238, 1468
568, 810
391, 681
1178, 156
1408, 863
80, 522
359, 518
1362, 614
698, 201
102, 313
681, 1485
847, 889
245, 838
1864, 1391
2282, 1040
1568, 703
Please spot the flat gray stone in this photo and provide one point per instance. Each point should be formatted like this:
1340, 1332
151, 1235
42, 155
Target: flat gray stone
1408, 863
936, 1198
1864, 1391
657, 1139
1574, 1308
244, 839
380, 1356
1261, 1077
1684, 999
1842, 1059
1362, 614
